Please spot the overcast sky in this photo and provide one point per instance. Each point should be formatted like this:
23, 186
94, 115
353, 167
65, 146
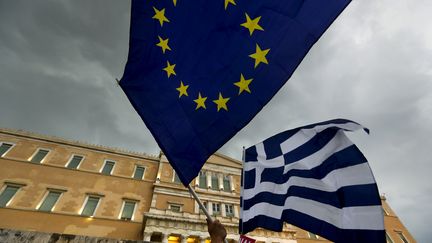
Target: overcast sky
59, 60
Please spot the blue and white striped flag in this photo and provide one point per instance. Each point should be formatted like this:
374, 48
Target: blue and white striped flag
313, 177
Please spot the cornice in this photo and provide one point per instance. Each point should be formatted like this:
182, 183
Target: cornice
75, 143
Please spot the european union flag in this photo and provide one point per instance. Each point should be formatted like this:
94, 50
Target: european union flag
199, 71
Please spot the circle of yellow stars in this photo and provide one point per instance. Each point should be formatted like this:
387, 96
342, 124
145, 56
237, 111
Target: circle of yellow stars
259, 56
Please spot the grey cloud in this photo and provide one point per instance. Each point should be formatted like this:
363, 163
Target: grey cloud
368, 70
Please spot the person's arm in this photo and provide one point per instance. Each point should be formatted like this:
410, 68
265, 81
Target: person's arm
217, 231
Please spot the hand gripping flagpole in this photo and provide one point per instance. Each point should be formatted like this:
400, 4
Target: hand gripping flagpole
204, 209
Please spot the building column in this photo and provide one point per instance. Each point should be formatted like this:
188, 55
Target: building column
197, 180
147, 236
210, 208
202, 239
236, 211
196, 208
209, 181
164, 238
159, 173
153, 201
223, 211
231, 183
220, 180
183, 238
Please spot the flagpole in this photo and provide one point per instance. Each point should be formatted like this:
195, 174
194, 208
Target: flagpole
204, 209
241, 190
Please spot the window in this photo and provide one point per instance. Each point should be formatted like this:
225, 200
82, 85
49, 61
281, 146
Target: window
216, 208
90, 206
49, 201
203, 180
227, 183
39, 156
205, 206
74, 162
139, 172
176, 179
389, 240
156, 237
214, 181
229, 210
7, 194
108, 167
4, 148
175, 207
128, 210
313, 236
402, 237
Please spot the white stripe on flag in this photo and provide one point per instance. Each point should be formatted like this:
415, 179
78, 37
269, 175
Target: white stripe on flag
353, 175
304, 135
350, 126
336, 144
365, 217
296, 140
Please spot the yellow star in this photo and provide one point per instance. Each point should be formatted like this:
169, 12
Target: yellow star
243, 84
228, 2
170, 69
160, 15
200, 102
163, 44
182, 89
260, 55
252, 24
221, 102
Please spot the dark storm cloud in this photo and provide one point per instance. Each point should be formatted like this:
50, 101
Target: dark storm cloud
58, 68
57, 32
59, 60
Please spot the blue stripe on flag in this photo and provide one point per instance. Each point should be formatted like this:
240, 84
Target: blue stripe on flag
249, 179
273, 149
339, 160
272, 146
333, 122
251, 154
349, 196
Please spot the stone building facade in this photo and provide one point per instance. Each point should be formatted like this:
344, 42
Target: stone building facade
52, 185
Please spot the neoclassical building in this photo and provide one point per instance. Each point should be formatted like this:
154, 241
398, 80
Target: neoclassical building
53, 185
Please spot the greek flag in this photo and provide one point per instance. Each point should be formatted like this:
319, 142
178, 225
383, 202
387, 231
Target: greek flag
315, 178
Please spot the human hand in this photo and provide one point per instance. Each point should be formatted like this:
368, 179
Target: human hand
217, 231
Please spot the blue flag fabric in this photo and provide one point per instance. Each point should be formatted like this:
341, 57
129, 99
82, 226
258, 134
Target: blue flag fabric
313, 177
199, 71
